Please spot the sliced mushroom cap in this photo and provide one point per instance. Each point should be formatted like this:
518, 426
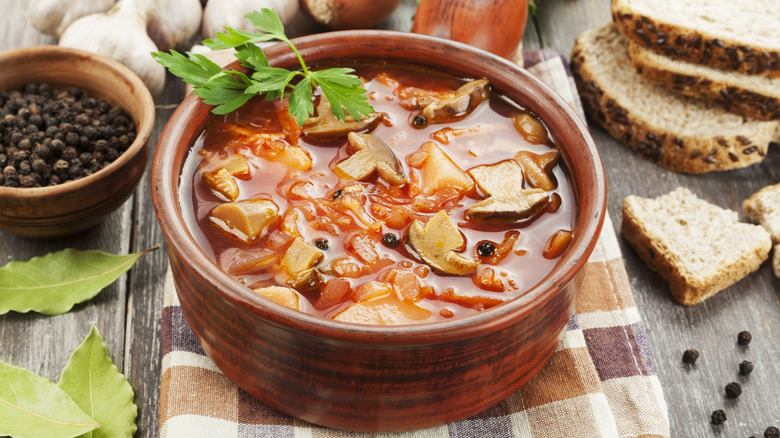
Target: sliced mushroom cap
531, 128
373, 155
438, 171
245, 220
436, 243
507, 200
326, 127
466, 98
280, 295
220, 178
538, 168
298, 263
300, 256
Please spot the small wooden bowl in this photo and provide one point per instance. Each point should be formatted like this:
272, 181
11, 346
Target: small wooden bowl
55, 211
371, 378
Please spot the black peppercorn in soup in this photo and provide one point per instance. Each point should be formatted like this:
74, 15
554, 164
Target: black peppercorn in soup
449, 200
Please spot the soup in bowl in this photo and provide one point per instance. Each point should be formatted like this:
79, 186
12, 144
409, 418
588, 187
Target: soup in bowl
396, 272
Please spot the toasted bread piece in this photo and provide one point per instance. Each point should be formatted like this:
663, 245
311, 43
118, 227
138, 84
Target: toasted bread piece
677, 132
749, 95
763, 207
731, 35
697, 247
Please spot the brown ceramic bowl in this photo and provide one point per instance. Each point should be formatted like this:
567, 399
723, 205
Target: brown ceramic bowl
372, 378
48, 212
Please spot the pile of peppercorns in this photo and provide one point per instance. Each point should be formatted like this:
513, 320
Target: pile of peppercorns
733, 389
49, 136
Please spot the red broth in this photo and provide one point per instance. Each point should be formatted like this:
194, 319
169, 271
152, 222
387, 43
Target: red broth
392, 284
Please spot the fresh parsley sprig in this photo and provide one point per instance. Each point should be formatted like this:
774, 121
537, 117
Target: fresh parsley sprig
228, 90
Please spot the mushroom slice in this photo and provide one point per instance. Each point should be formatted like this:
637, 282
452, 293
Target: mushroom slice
245, 220
538, 168
373, 155
326, 127
221, 180
507, 200
300, 257
531, 128
280, 295
298, 263
438, 171
466, 98
436, 244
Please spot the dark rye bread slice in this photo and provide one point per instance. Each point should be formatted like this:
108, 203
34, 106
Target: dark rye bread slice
697, 247
742, 36
677, 132
749, 95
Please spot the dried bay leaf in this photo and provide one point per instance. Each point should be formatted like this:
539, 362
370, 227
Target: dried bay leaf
54, 283
98, 387
31, 406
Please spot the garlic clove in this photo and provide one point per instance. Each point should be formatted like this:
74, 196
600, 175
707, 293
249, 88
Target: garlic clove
52, 17
119, 34
219, 14
349, 14
174, 23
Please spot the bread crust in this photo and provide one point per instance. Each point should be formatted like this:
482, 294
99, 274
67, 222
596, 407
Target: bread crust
685, 289
730, 97
676, 152
692, 45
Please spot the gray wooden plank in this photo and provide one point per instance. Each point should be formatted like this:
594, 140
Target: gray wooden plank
42, 343
753, 304
143, 347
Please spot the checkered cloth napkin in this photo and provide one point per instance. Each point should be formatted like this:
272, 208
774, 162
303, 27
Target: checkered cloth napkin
600, 382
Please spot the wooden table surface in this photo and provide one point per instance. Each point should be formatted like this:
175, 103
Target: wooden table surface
128, 312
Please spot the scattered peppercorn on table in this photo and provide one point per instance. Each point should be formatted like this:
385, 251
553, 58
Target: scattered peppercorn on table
726, 372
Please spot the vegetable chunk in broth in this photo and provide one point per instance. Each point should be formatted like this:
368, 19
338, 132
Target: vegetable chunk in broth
449, 200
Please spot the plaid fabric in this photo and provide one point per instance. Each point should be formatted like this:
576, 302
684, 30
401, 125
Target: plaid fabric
600, 382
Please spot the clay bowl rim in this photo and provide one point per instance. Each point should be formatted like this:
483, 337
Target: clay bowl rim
144, 125
588, 222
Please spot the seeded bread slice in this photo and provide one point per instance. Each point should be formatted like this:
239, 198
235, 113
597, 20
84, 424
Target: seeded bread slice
749, 95
764, 207
742, 36
677, 132
697, 247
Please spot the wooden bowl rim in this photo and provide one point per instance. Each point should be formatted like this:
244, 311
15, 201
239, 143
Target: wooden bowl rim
589, 222
144, 125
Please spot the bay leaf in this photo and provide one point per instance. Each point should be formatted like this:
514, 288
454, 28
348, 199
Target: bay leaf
98, 387
31, 406
54, 283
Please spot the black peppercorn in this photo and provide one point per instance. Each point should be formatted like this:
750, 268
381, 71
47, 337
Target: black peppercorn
690, 356
718, 417
746, 367
391, 240
321, 243
772, 432
744, 338
485, 249
733, 390
337, 194
44, 131
419, 121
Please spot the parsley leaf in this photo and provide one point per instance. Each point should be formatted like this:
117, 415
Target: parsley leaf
228, 90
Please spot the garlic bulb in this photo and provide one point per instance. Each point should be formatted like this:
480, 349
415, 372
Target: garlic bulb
349, 14
173, 23
52, 17
119, 34
219, 14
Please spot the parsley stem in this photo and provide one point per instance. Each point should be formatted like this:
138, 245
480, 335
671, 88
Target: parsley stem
298, 54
